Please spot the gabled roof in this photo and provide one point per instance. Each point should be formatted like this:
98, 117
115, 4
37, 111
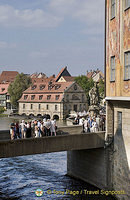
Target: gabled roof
8, 76
63, 72
52, 89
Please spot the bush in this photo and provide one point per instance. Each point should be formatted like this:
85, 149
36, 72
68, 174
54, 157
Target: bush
2, 110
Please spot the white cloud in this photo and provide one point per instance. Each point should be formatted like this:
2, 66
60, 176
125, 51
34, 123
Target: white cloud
80, 9
89, 12
5, 45
10, 16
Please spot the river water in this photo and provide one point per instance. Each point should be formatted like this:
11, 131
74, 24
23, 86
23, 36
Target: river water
20, 177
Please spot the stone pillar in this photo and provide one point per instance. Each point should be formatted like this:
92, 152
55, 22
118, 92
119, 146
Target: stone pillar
91, 166
109, 118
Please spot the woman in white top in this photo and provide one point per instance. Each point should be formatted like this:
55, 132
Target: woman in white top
53, 127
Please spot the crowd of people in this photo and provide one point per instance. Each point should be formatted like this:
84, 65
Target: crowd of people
47, 127
91, 124
34, 128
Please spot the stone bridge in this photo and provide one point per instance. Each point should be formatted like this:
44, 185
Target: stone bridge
73, 140
89, 156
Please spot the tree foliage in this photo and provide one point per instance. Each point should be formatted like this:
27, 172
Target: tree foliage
21, 83
85, 83
101, 88
2, 110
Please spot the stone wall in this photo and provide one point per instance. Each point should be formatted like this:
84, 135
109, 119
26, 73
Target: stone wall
43, 110
119, 127
121, 155
90, 166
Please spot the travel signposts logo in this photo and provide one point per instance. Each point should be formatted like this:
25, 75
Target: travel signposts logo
39, 192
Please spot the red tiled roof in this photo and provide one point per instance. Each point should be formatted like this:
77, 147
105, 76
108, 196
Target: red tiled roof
40, 80
62, 86
89, 74
53, 89
4, 88
8, 76
44, 99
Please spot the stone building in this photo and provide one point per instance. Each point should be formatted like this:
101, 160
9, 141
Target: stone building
53, 98
4, 96
118, 89
6, 77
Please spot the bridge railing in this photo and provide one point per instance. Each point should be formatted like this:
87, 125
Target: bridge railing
69, 142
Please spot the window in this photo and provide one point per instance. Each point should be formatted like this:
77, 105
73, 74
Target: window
75, 87
75, 108
57, 87
2, 89
112, 68
67, 97
39, 106
50, 86
80, 107
119, 122
25, 97
55, 107
113, 5
47, 106
31, 106
57, 97
42, 87
23, 106
127, 66
8, 97
48, 97
32, 97
127, 4
34, 87
40, 97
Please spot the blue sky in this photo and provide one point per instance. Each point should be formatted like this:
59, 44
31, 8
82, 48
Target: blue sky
46, 35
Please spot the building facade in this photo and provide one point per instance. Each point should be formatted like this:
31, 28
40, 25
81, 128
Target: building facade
56, 99
6, 77
118, 88
54, 96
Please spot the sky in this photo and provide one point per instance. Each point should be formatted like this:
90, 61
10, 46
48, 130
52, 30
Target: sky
47, 35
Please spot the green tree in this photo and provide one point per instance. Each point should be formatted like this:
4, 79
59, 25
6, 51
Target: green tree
2, 110
21, 83
101, 88
85, 83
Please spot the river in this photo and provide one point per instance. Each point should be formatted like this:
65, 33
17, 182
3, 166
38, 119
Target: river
20, 177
